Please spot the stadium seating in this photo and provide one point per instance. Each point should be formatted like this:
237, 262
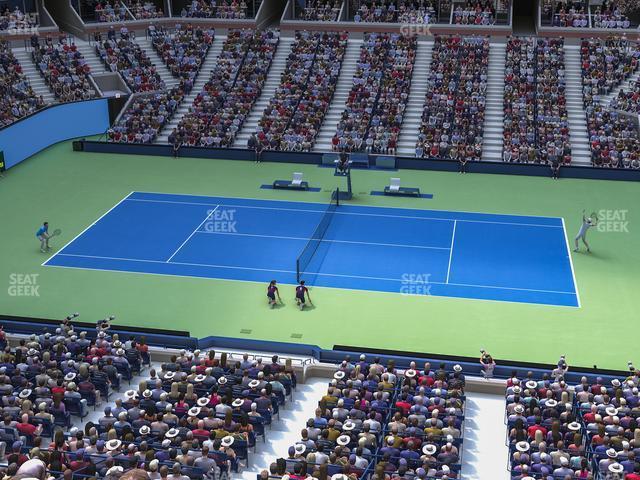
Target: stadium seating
182, 49
605, 66
235, 9
219, 111
216, 406
64, 69
474, 13
453, 114
294, 115
374, 420
17, 98
320, 11
15, 19
111, 11
545, 434
373, 114
144, 9
391, 11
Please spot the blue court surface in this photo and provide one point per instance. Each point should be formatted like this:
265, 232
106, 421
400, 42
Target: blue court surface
403, 251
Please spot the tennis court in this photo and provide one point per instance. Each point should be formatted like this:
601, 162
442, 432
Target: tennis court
404, 251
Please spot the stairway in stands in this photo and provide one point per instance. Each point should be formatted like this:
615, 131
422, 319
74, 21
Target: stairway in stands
203, 77
492, 141
415, 103
31, 72
343, 87
147, 47
272, 82
89, 53
580, 154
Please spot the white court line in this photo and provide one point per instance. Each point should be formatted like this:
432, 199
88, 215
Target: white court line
193, 233
368, 206
83, 231
453, 237
235, 267
337, 212
573, 273
323, 240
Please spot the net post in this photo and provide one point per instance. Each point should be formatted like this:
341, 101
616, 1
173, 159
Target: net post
298, 270
338, 196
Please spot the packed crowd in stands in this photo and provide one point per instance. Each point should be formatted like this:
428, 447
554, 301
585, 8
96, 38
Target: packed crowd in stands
536, 126
195, 417
613, 137
563, 432
320, 10
294, 115
565, 13
475, 13
401, 11
17, 98
219, 111
628, 100
16, 20
108, 11
218, 9
608, 15
183, 49
375, 420
143, 10
375, 105
453, 116
147, 114
125, 56
519, 128
63, 67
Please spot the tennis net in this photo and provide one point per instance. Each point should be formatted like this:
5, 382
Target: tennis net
305, 257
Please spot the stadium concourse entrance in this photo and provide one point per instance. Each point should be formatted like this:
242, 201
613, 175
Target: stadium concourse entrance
524, 18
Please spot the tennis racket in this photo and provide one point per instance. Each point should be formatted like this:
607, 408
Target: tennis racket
593, 217
55, 233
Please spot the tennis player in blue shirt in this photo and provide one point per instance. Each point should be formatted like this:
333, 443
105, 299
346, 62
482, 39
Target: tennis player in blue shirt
43, 235
272, 293
301, 290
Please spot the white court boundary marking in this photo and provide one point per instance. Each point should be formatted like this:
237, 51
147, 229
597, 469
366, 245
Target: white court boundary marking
236, 267
44, 264
453, 238
573, 272
193, 233
325, 240
320, 274
280, 209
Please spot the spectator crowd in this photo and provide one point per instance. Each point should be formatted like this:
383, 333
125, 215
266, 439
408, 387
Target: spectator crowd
63, 68
613, 136
374, 420
453, 115
295, 113
194, 417
17, 98
536, 127
220, 109
375, 106
15, 19
220, 9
